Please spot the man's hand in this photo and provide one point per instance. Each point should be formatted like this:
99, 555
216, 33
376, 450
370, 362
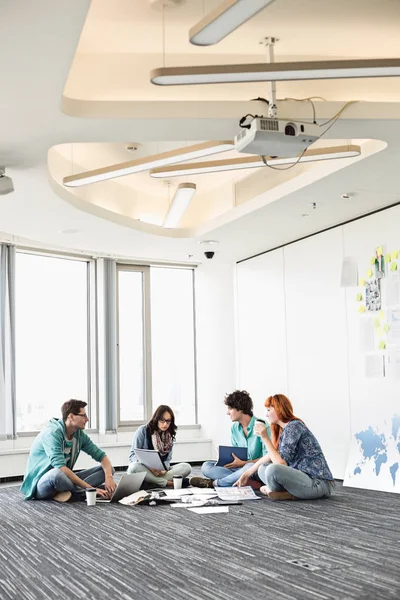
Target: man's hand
242, 481
102, 493
110, 485
236, 463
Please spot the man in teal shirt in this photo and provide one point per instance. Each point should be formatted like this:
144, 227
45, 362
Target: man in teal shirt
53, 454
240, 410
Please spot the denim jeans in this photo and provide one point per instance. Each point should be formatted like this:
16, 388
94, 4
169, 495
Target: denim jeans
279, 478
178, 470
222, 476
55, 481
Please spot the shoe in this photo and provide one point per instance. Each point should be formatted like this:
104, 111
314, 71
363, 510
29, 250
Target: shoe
201, 482
62, 496
185, 482
274, 496
254, 484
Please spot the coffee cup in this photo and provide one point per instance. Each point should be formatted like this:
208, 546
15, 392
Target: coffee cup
177, 482
91, 496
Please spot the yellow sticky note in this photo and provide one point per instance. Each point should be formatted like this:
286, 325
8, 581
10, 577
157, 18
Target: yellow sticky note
359, 297
361, 309
386, 327
369, 272
362, 281
377, 323
393, 266
379, 331
388, 258
395, 254
382, 345
382, 314
372, 261
379, 251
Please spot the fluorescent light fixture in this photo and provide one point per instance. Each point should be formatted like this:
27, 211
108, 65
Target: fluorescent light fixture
143, 164
291, 71
252, 162
180, 202
227, 17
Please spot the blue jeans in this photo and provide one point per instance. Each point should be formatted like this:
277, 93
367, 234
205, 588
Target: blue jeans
55, 481
222, 476
279, 478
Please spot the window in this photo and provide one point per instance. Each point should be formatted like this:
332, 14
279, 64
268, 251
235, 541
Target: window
173, 341
131, 345
52, 337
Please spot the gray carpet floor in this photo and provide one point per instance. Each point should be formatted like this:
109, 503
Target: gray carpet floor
344, 548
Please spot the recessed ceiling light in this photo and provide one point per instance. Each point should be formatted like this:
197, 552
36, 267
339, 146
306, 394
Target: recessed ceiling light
305, 215
208, 242
69, 231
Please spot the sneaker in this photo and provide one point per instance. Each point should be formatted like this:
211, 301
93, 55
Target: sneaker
201, 482
185, 482
62, 496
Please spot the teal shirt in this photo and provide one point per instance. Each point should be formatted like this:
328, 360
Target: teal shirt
51, 450
253, 443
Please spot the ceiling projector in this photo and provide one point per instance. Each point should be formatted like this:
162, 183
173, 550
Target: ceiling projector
6, 184
276, 137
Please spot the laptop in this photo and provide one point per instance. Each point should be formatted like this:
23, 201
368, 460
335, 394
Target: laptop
128, 484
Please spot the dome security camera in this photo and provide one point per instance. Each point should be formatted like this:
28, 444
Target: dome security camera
209, 254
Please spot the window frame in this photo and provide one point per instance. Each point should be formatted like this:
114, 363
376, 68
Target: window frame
146, 346
92, 359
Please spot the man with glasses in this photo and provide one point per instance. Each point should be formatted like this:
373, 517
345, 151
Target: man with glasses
53, 454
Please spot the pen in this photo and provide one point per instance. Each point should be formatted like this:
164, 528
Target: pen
247, 512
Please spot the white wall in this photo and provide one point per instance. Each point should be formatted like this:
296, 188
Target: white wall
298, 331
215, 333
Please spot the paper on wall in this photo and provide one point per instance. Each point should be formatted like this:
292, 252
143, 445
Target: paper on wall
366, 335
374, 366
392, 366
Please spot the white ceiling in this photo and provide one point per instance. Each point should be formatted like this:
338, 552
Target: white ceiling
38, 42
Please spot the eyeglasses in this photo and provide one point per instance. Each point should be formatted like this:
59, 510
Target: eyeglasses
81, 415
165, 421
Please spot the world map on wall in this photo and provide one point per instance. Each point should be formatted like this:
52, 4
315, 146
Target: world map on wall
380, 449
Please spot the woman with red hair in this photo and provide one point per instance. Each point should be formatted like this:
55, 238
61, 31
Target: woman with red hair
295, 467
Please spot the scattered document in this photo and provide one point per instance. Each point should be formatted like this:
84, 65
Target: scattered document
236, 493
374, 366
205, 510
135, 498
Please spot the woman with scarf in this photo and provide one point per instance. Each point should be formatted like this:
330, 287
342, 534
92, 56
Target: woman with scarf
158, 434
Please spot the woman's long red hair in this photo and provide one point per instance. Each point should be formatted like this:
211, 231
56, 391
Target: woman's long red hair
284, 411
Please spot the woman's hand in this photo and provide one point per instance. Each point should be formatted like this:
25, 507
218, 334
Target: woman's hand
157, 473
243, 480
260, 429
236, 463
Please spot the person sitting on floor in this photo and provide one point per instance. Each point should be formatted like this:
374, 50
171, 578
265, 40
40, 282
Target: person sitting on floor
54, 453
295, 467
240, 410
158, 434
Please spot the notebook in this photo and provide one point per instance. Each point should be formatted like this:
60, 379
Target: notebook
225, 454
127, 485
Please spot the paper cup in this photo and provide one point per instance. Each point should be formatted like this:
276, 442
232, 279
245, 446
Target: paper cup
177, 482
91, 496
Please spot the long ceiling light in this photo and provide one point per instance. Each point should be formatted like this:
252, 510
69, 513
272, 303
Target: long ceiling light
291, 71
180, 202
227, 17
148, 162
252, 162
